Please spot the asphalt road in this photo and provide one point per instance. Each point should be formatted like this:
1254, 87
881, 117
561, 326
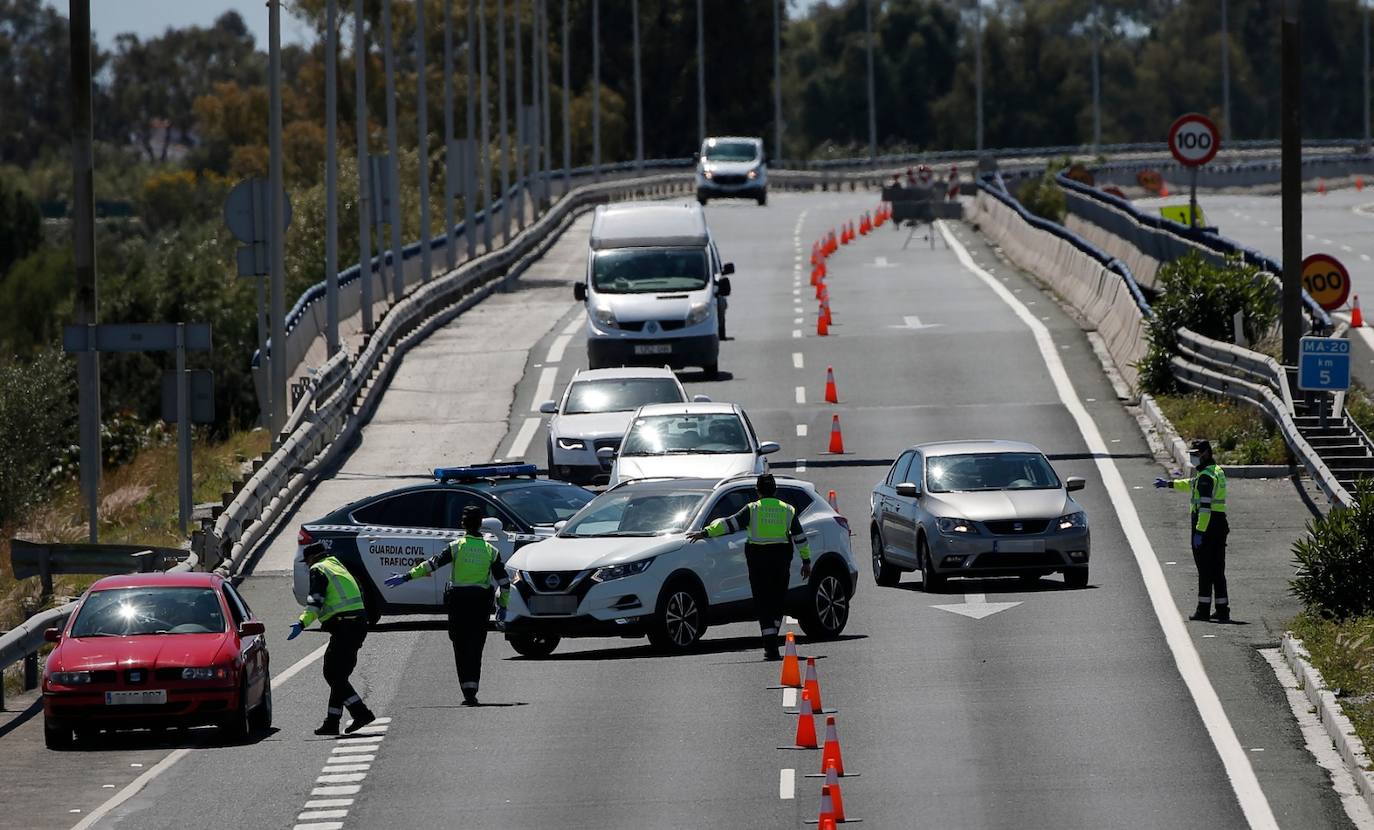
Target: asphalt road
1067, 710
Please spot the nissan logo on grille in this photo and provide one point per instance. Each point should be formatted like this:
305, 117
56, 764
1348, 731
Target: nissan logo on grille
1017, 526
552, 581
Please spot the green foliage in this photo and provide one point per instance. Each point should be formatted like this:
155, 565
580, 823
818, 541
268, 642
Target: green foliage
1203, 297
1043, 197
1240, 434
37, 421
1359, 406
21, 225
1335, 575
35, 300
1344, 653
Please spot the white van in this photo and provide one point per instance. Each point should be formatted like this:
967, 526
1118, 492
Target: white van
655, 288
732, 166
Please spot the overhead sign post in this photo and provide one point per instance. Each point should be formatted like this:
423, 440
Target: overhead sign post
1194, 141
1326, 280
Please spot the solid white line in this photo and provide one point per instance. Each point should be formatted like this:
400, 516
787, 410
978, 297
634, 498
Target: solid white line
523, 438
543, 390
558, 347
801, 394
350, 759
574, 324
787, 784
798, 362
801, 430
346, 778
789, 697
328, 802
1243, 781
317, 815
351, 789
296, 667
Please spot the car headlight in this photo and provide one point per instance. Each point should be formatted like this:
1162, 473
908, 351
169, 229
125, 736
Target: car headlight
708, 175
605, 317
955, 525
1072, 520
70, 678
697, 313
754, 174
571, 444
205, 673
622, 570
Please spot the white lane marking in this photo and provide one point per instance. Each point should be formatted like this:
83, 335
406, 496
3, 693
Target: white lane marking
798, 321
1312, 237
1347, 249
344, 778
523, 438
1253, 802
346, 768
796, 334
976, 606
365, 739
339, 750
801, 394
787, 784
801, 430
350, 759
318, 815
557, 348
328, 802
789, 697
543, 390
1326, 242
319, 825
798, 362
801, 465
1364, 257
351, 789
574, 324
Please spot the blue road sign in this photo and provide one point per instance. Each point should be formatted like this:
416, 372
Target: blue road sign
1324, 364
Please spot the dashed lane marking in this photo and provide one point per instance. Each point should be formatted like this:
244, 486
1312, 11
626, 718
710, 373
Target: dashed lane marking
574, 324
801, 465
323, 803
558, 347
543, 390
789, 697
801, 394
798, 362
801, 430
796, 334
787, 784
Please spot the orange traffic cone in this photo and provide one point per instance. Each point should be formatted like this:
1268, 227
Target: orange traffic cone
791, 668
827, 806
827, 823
832, 395
822, 327
820, 289
832, 780
1356, 318
806, 727
831, 756
1321, 186
825, 309
834, 502
1359, 182
811, 687
1163, 189
836, 439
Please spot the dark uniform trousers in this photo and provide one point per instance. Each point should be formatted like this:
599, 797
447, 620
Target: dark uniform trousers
1210, 558
769, 568
346, 635
469, 608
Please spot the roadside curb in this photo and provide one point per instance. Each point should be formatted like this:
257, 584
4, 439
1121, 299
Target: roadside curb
1178, 448
1328, 710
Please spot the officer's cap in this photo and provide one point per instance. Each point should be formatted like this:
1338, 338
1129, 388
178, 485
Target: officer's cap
472, 513
1201, 446
766, 482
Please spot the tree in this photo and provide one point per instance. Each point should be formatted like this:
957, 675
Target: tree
21, 225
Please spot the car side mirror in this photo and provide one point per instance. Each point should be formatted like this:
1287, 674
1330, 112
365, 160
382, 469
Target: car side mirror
559, 525
723, 287
606, 453
252, 628
727, 269
580, 292
492, 525
549, 407
908, 490
701, 399
1073, 483
768, 447
52, 635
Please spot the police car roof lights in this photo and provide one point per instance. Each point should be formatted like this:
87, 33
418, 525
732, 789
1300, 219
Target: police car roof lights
476, 472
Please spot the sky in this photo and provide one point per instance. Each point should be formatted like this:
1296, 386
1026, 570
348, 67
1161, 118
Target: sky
149, 18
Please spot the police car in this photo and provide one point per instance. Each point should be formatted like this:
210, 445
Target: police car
394, 531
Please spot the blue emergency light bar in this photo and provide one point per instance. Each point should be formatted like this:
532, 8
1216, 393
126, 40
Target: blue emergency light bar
480, 471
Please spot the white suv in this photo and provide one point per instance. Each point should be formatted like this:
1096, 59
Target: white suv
623, 567
594, 412
689, 440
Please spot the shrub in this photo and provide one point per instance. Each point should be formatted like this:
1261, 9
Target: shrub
1335, 578
37, 420
1043, 197
1203, 297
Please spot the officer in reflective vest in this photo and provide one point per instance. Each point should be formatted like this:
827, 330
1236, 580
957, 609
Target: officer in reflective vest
1209, 530
476, 566
337, 602
774, 530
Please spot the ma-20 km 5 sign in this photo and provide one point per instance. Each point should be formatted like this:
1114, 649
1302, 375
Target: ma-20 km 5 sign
1194, 140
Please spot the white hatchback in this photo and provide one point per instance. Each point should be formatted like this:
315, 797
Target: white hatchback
691, 440
623, 567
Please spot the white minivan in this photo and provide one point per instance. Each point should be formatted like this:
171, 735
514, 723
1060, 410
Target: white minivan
656, 287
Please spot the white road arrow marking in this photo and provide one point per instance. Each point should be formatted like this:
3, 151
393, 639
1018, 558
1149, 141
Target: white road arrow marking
911, 321
976, 606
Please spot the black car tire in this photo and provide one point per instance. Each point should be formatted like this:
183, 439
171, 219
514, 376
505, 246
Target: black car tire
238, 725
884, 574
680, 619
550, 470
763, 198
1076, 577
827, 604
931, 582
260, 719
533, 645
702, 200
57, 737
712, 371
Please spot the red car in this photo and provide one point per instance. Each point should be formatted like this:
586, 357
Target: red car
157, 650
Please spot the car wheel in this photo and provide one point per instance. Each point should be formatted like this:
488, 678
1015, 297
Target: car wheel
238, 725
533, 645
550, 468
260, 719
931, 582
763, 199
883, 573
1076, 577
680, 621
702, 200
57, 737
827, 605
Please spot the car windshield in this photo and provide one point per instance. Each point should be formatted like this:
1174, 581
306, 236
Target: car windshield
730, 151
649, 270
620, 394
124, 612
707, 434
636, 513
544, 504
990, 471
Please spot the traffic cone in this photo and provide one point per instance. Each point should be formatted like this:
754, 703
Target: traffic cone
836, 439
826, 823
834, 502
806, 726
827, 806
811, 687
1356, 318
1321, 186
822, 327
832, 780
791, 668
1359, 182
832, 395
830, 755
820, 289
1163, 189
825, 309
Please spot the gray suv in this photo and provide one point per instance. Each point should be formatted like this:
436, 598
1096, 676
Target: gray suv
977, 508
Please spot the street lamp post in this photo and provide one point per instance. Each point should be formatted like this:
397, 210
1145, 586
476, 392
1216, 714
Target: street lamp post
393, 184
777, 78
872, 105
978, 71
639, 94
1226, 74
596, 89
701, 74
276, 228
331, 177
1097, 75
360, 135
501, 120
422, 127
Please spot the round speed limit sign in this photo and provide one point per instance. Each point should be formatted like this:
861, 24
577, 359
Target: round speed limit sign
1194, 140
1326, 280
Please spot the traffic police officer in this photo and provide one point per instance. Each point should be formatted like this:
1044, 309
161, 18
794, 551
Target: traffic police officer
476, 565
337, 602
774, 530
1209, 530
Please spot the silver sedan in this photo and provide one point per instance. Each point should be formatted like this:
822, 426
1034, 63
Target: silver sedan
977, 508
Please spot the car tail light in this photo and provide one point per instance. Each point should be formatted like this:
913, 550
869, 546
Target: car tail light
303, 537
844, 523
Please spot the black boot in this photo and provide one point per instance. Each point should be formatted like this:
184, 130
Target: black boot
1222, 614
330, 727
362, 716
770, 647
470, 697
1203, 613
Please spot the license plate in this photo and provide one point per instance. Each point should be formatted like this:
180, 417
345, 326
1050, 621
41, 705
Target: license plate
1019, 545
561, 604
143, 697
655, 348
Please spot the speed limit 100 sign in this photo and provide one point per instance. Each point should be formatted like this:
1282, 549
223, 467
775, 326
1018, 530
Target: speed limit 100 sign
1326, 280
1194, 140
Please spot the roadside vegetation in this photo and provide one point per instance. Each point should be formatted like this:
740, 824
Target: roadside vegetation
1240, 434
